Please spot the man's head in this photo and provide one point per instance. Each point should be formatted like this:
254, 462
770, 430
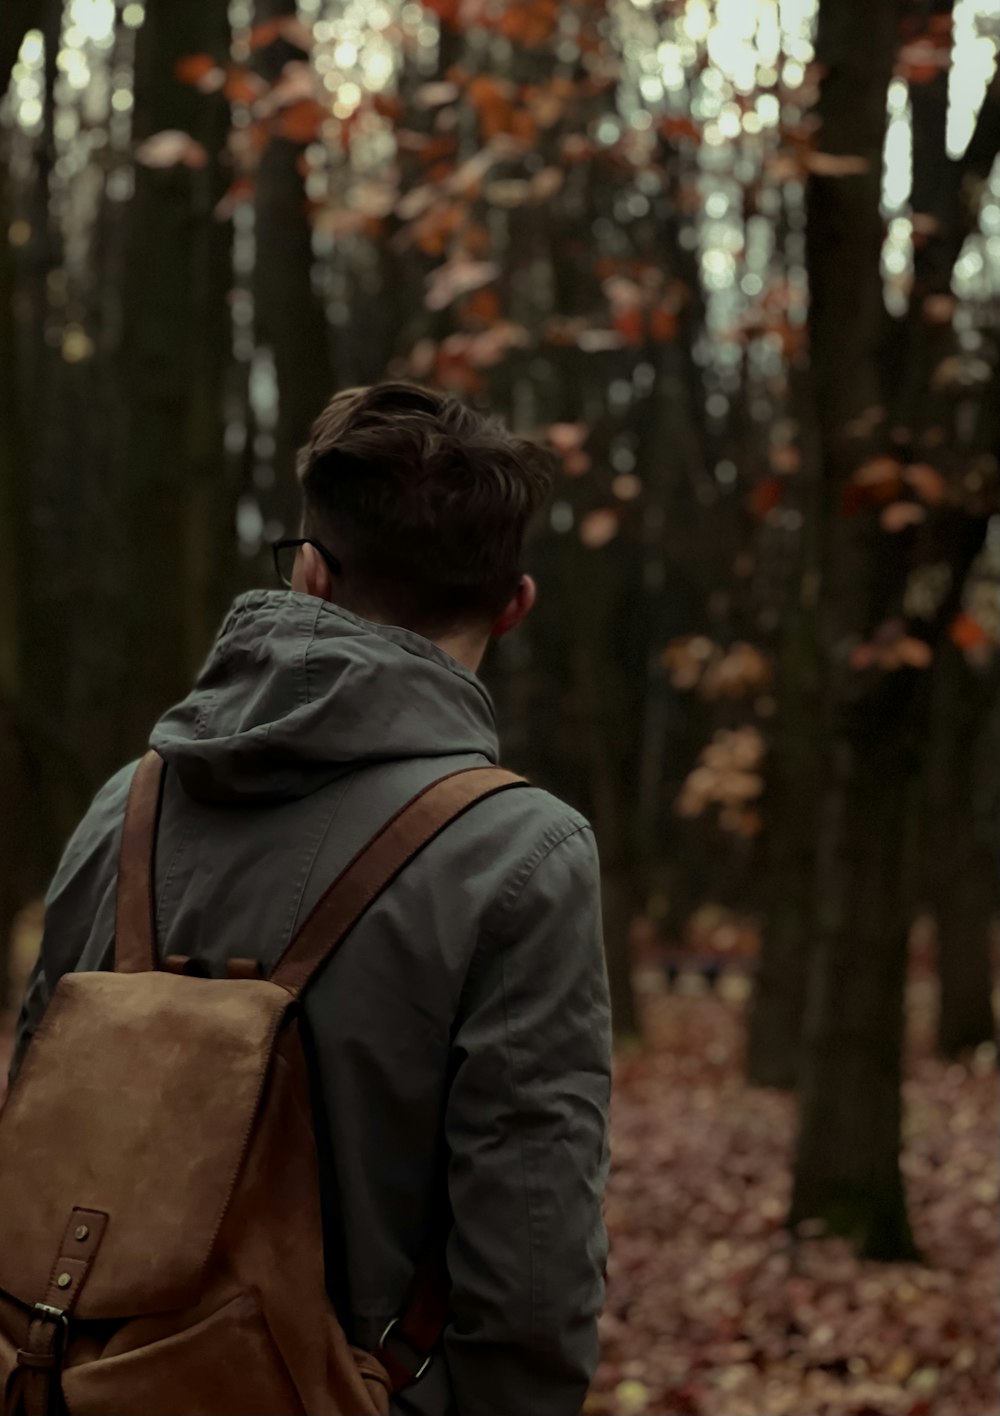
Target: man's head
425, 503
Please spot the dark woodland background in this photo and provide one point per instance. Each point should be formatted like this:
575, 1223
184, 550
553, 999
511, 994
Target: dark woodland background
738, 263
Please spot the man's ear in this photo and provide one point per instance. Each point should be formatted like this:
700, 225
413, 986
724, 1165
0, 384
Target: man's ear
311, 575
518, 607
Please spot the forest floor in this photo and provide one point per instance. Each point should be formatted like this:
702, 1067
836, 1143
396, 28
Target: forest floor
712, 1311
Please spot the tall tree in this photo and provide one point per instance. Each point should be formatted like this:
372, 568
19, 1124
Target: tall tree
177, 512
904, 504
847, 1163
289, 317
15, 878
943, 382
960, 848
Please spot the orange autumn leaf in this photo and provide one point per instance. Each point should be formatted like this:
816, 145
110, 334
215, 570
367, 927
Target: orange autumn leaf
529, 24
897, 516
477, 241
240, 191
388, 105
482, 307
967, 632
301, 122
433, 231
447, 11
663, 324
599, 527
876, 483
928, 483
193, 68
673, 128
453, 371
492, 100
523, 126
241, 86
287, 27
882, 493
438, 148
786, 458
575, 147
766, 496
266, 33
793, 337
629, 324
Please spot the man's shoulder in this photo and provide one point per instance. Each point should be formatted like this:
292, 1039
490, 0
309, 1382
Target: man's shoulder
95, 840
539, 818
535, 833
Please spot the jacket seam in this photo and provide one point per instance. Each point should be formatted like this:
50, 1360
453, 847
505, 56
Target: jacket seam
506, 893
304, 874
556, 836
310, 640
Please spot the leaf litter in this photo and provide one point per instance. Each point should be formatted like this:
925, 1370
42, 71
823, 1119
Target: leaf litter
713, 1310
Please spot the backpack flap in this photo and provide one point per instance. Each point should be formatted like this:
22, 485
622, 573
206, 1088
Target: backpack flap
136, 1100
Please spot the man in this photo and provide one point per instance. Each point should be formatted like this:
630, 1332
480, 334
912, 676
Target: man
461, 1035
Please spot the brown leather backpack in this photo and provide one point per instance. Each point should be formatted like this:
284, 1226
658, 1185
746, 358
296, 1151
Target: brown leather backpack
161, 1246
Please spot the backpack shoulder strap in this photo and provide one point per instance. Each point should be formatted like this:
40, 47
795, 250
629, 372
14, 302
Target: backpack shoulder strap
135, 921
378, 863
408, 1342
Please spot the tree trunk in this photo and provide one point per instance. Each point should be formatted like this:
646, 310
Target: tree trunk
961, 847
288, 314
14, 847
790, 808
847, 1162
17, 17
31, 652
774, 1029
178, 510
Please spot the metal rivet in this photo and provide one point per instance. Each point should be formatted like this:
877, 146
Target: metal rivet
64, 1280
82, 1232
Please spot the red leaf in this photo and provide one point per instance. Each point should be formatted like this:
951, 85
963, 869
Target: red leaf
673, 128
629, 324
663, 324
193, 68
264, 34
242, 86
967, 632
766, 496
447, 11
301, 122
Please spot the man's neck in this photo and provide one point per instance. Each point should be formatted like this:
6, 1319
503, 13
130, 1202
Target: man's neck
466, 646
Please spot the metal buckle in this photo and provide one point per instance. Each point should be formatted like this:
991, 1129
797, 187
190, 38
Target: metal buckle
51, 1315
56, 1344
394, 1322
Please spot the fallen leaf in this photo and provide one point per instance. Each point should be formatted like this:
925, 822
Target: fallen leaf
899, 515
172, 148
966, 631
599, 527
201, 71
456, 278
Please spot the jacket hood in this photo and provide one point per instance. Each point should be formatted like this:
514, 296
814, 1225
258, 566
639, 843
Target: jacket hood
297, 691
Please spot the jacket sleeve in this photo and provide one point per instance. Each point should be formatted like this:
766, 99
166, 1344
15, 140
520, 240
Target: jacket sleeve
33, 1006
526, 1125
79, 907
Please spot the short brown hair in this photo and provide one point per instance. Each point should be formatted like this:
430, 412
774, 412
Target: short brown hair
430, 499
